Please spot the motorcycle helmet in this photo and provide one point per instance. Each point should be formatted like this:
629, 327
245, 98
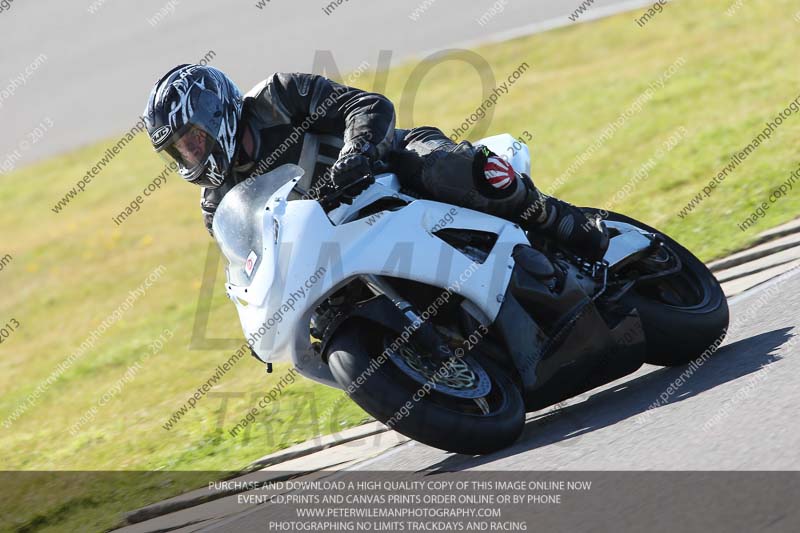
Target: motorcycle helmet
192, 116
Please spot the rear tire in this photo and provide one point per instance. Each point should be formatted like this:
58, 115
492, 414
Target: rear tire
436, 419
679, 334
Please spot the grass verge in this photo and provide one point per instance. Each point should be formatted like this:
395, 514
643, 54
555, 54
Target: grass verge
71, 270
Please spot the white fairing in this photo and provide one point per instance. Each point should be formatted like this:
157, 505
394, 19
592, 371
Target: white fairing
514, 151
302, 255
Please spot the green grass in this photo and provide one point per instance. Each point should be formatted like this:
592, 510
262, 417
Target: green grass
72, 269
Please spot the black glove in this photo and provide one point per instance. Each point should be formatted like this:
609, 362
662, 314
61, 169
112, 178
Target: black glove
349, 169
352, 173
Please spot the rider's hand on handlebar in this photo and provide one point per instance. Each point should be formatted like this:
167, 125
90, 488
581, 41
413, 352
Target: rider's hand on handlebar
349, 169
348, 173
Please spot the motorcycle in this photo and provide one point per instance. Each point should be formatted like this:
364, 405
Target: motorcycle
445, 323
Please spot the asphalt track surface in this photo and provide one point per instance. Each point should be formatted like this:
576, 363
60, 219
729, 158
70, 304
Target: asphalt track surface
100, 66
735, 412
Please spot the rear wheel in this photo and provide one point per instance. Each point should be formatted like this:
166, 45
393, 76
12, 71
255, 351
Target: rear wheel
683, 314
470, 406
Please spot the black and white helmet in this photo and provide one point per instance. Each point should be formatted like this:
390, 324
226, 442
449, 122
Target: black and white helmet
192, 115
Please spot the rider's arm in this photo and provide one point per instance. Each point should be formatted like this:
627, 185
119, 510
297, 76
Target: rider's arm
363, 116
209, 201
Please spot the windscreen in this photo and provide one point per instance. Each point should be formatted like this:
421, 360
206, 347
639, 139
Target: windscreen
238, 222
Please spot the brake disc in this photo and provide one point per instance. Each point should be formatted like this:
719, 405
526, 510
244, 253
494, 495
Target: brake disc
462, 377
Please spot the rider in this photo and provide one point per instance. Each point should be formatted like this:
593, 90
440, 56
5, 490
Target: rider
218, 138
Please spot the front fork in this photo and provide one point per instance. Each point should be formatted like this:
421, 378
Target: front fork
423, 331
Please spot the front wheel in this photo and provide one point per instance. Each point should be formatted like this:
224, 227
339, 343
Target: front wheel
685, 314
470, 407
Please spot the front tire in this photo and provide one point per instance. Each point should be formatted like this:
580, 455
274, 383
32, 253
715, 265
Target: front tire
436, 419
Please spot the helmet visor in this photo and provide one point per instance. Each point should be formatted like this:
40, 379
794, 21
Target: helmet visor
190, 148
